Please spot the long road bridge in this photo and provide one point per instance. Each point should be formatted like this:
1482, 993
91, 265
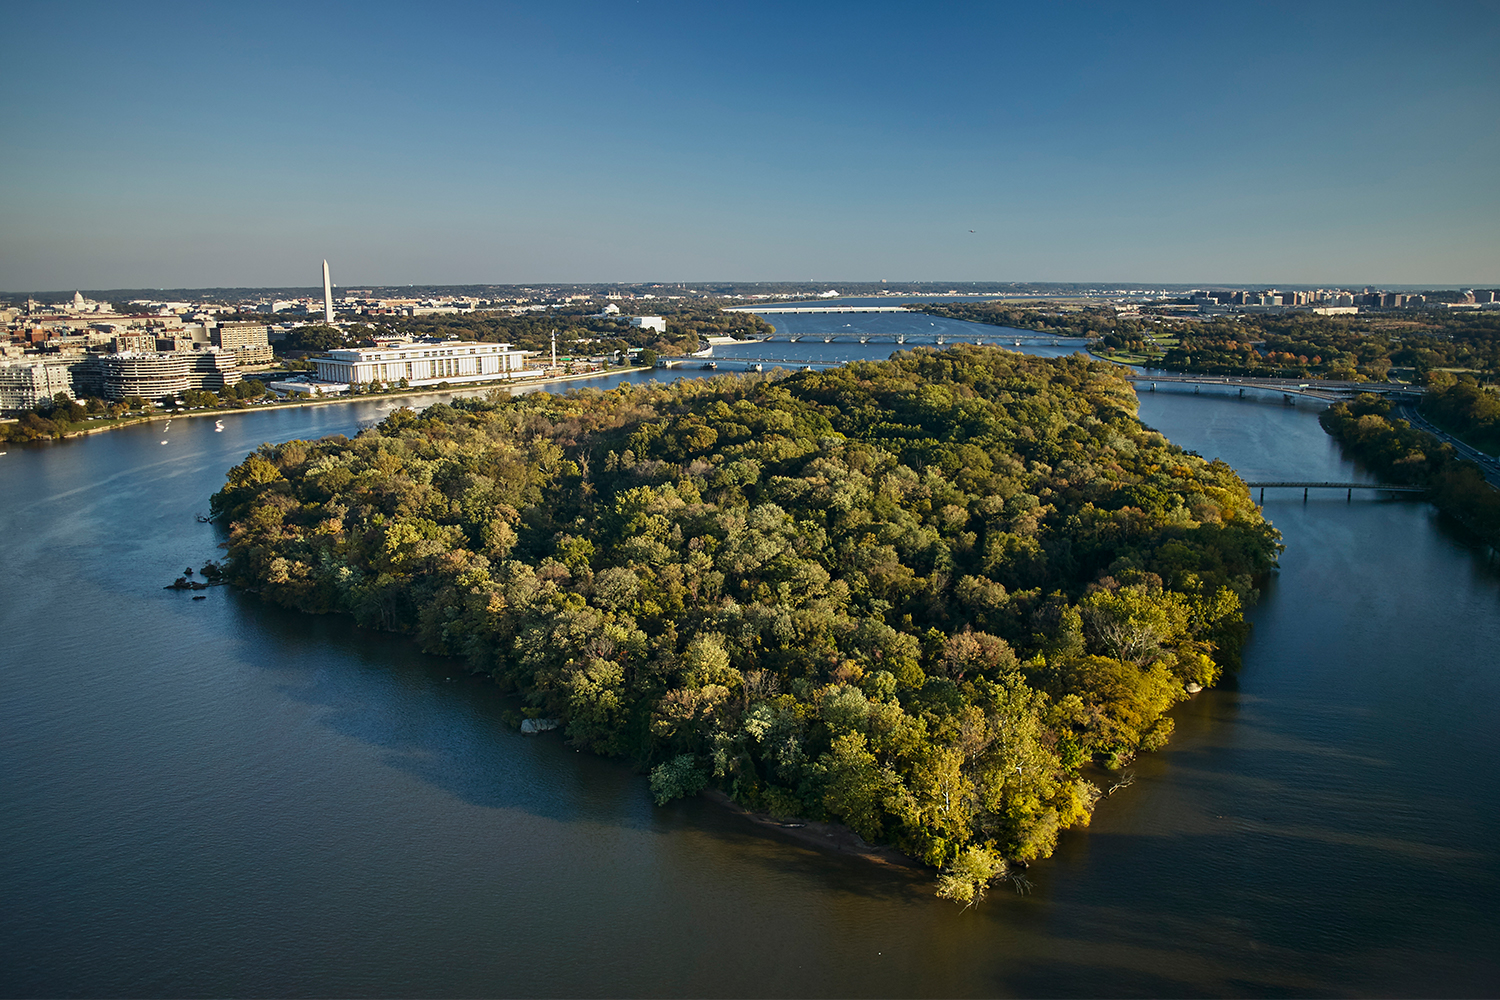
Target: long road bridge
817, 309
977, 337
1349, 488
1326, 389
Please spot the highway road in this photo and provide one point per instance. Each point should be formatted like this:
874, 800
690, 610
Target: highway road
1488, 463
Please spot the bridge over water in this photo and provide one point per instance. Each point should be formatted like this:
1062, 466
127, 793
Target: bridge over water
977, 337
1327, 389
1349, 488
818, 309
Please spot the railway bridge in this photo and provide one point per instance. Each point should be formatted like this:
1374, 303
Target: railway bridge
1349, 488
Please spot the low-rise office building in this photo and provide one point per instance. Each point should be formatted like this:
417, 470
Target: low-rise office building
298, 386
424, 363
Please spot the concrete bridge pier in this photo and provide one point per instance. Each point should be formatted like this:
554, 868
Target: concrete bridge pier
901, 338
864, 338
828, 340
1242, 392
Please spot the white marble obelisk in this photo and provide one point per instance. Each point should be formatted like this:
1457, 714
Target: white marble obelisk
327, 296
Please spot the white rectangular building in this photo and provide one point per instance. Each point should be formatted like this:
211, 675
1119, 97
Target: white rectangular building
457, 362
657, 323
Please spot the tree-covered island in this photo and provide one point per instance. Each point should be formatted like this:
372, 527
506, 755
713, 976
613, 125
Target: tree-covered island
919, 597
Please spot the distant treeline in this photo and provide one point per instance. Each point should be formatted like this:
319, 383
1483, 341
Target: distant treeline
1346, 347
1295, 344
1092, 321
918, 597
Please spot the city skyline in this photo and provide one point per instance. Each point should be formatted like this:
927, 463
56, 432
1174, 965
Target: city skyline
463, 144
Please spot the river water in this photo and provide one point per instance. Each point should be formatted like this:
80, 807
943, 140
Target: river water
217, 797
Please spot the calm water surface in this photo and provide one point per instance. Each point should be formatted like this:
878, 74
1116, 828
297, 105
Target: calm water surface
216, 797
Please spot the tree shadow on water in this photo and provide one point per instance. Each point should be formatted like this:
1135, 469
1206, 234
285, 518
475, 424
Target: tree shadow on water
788, 852
433, 720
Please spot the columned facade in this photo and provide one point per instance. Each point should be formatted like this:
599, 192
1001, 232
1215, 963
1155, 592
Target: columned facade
455, 362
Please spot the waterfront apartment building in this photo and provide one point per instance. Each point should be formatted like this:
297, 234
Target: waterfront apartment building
457, 362
26, 382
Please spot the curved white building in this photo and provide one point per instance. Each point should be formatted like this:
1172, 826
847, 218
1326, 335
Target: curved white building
150, 376
157, 376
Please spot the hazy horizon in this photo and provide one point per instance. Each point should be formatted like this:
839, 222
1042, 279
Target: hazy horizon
668, 286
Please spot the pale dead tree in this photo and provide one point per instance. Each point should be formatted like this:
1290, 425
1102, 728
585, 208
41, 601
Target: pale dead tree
1122, 636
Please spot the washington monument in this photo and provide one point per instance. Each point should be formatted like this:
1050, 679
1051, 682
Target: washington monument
327, 296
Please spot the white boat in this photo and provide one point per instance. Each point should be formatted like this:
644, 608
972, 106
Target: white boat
218, 426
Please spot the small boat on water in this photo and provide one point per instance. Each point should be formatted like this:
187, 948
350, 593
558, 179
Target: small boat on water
164, 442
218, 427
709, 365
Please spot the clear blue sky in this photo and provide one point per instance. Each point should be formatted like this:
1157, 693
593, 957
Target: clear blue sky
201, 144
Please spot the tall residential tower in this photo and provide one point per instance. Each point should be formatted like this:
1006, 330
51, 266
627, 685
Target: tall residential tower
327, 296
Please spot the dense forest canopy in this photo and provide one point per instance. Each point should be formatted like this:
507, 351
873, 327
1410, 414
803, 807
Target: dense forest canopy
1054, 318
919, 597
